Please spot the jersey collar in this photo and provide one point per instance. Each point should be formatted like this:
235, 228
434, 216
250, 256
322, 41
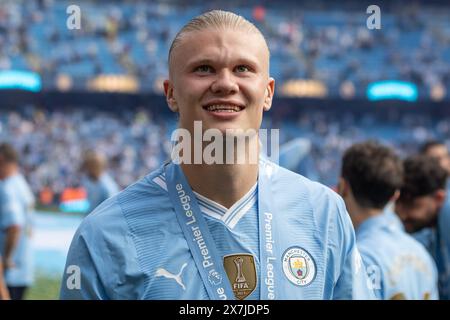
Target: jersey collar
230, 217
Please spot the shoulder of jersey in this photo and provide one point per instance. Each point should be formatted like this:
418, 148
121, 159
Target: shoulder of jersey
9, 186
306, 190
417, 248
396, 242
143, 195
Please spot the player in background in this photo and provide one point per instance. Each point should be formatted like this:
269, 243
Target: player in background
439, 151
16, 208
428, 210
98, 183
399, 267
213, 230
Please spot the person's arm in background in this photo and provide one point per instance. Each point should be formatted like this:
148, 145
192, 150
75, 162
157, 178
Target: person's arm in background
30, 204
4, 294
30, 212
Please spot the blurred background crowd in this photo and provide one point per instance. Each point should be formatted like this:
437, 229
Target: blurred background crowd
67, 92
316, 40
136, 141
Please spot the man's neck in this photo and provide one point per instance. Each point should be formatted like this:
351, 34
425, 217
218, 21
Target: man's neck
222, 183
9, 172
363, 214
226, 182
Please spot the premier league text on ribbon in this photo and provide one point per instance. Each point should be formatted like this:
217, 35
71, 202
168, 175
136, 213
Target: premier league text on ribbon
198, 237
269, 280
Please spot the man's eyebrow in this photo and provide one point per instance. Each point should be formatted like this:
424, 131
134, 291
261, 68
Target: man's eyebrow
207, 61
199, 62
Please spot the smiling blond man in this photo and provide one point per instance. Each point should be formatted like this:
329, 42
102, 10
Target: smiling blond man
218, 231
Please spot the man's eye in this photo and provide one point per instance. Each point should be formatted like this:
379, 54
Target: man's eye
203, 69
242, 69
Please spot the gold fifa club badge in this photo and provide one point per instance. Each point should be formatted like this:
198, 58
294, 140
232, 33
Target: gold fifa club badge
241, 271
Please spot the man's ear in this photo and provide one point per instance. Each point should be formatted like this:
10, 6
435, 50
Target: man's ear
439, 197
395, 196
168, 91
270, 89
342, 187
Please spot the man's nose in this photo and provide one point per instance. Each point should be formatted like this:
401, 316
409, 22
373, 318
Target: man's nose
225, 83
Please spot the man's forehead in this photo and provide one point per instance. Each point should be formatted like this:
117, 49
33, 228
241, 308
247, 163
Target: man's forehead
422, 200
210, 44
438, 149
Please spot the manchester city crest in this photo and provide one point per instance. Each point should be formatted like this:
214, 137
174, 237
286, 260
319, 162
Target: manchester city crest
298, 266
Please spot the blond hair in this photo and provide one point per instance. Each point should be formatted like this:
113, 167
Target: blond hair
215, 19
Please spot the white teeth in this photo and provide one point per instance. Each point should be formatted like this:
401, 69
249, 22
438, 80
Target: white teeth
223, 108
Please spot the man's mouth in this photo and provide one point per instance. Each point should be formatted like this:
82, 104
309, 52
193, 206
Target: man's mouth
226, 108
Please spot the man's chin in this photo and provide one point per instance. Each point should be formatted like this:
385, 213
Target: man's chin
413, 228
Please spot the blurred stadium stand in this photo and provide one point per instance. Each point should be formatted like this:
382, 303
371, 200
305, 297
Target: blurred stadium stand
318, 49
101, 85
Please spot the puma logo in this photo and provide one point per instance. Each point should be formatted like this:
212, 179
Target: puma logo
177, 277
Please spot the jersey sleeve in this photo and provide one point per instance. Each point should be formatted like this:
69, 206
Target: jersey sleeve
103, 257
81, 279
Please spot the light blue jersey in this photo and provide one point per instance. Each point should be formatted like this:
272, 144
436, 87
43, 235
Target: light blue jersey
100, 190
16, 205
132, 246
399, 267
443, 261
392, 218
437, 241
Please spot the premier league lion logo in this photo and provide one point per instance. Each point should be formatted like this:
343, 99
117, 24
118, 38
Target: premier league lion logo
214, 277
